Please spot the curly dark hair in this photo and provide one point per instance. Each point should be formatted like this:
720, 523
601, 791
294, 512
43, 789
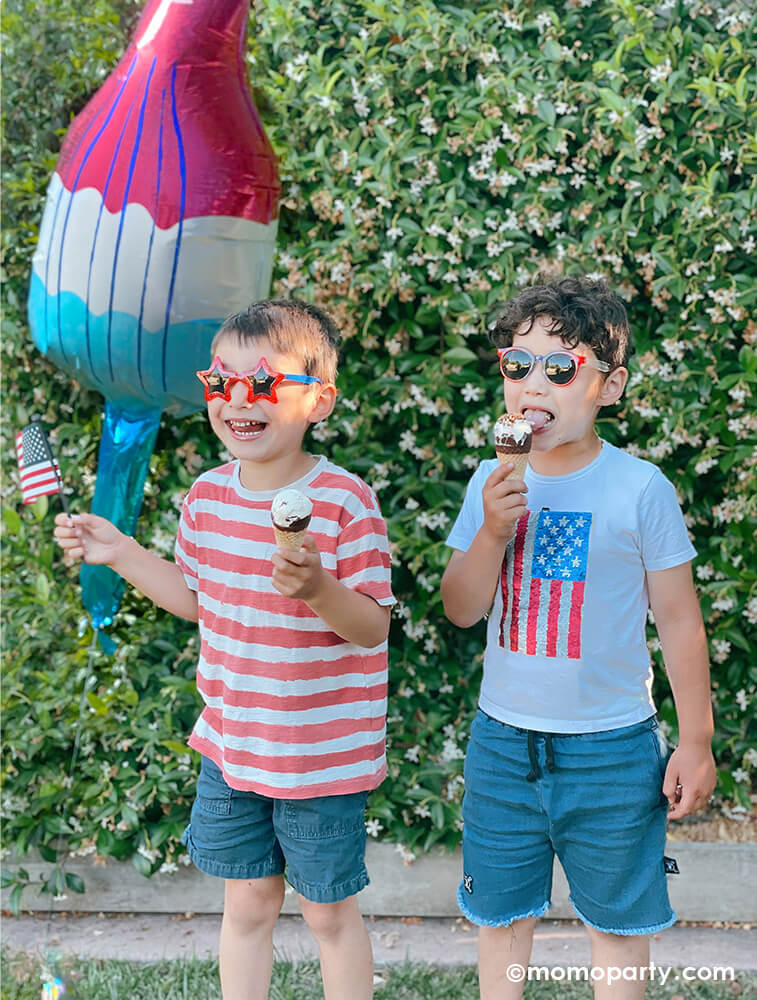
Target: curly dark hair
581, 310
293, 327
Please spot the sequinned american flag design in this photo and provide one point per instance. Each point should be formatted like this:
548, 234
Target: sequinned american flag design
543, 581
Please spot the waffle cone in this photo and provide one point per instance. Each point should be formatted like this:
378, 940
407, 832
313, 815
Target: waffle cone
519, 459
289, 540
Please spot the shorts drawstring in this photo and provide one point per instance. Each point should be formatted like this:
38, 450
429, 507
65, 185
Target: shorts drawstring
535, 771
550, 750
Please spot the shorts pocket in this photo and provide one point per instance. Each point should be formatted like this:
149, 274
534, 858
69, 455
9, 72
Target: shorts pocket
213, 794
326, 817
662, 749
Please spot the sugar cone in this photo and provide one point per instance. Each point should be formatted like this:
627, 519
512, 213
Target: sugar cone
290, 540
520, 461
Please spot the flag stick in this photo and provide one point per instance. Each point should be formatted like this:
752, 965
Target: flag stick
51, 457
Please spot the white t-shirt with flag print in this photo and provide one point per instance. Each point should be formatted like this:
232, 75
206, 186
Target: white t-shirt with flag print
566, 638
292, 710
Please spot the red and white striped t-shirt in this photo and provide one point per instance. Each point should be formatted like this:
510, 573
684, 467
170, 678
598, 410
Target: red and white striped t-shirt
291, 709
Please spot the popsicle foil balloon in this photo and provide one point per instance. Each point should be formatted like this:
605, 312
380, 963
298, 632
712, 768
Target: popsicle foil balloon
160, 220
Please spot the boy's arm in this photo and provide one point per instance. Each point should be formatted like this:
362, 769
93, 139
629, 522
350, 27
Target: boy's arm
95, 540
678, 618
470, 579
354, 616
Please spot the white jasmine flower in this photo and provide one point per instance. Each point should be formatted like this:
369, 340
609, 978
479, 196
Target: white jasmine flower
660, 72
407, 441
373, 827
407, 855
721, 648
471, 393
723, 604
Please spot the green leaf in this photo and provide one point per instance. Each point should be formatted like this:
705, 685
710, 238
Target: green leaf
75, 882
546, 111
552, 50
12, 520
143, 866
42, 586
97, 703
460, 355
612, 100
40, 508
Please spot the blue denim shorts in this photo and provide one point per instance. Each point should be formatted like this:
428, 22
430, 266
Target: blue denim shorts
319, 843
594, 799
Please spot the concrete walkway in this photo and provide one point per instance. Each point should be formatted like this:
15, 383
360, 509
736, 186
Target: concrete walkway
441, 941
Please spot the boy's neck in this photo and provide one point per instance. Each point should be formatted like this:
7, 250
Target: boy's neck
566, 458
263, 477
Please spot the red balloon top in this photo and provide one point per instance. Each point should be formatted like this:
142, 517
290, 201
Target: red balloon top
174, 127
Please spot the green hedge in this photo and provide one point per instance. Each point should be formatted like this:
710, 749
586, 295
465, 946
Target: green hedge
435, 158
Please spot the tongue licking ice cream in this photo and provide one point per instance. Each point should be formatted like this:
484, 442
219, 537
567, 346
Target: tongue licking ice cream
538, 418
290, 512
512, 442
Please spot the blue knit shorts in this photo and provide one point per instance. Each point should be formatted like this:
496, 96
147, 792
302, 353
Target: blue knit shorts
593, 799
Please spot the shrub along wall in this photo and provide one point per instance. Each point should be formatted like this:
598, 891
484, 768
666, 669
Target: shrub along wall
435, 158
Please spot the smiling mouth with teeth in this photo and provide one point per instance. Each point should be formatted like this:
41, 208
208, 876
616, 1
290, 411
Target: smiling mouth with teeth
246, 430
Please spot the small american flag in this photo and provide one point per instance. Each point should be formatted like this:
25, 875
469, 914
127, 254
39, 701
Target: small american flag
543, 580
35, 463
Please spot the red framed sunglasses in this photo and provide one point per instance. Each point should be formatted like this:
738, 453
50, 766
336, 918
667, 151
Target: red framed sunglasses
261, 383
560, 367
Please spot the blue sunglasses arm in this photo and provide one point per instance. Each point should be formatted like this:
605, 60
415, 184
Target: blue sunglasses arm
307, 379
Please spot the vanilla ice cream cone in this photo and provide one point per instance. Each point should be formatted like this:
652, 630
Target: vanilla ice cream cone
291, 512
520, 461
290, 540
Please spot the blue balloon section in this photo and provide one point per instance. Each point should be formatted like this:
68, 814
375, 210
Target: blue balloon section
126, 445
112, 354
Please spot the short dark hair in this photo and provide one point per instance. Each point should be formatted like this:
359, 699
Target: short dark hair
293, 327
582, 311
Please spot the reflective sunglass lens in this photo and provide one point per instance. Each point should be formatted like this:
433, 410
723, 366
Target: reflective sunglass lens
217, 384
516, 365
559, 368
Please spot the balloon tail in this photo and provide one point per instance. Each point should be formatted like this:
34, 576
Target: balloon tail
127, 443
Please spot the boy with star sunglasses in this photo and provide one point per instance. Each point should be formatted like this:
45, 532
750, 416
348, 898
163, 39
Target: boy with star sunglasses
566, 756
293, 649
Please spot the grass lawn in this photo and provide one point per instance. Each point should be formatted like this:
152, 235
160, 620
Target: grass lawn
198, 980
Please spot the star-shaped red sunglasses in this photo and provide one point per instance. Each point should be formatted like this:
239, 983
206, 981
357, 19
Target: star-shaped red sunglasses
261, 382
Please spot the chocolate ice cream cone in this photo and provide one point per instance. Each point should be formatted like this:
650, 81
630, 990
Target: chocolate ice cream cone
512, 443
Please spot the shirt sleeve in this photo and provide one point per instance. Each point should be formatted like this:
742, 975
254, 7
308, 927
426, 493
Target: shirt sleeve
665, 541
362, 553
185, 549
471, 515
